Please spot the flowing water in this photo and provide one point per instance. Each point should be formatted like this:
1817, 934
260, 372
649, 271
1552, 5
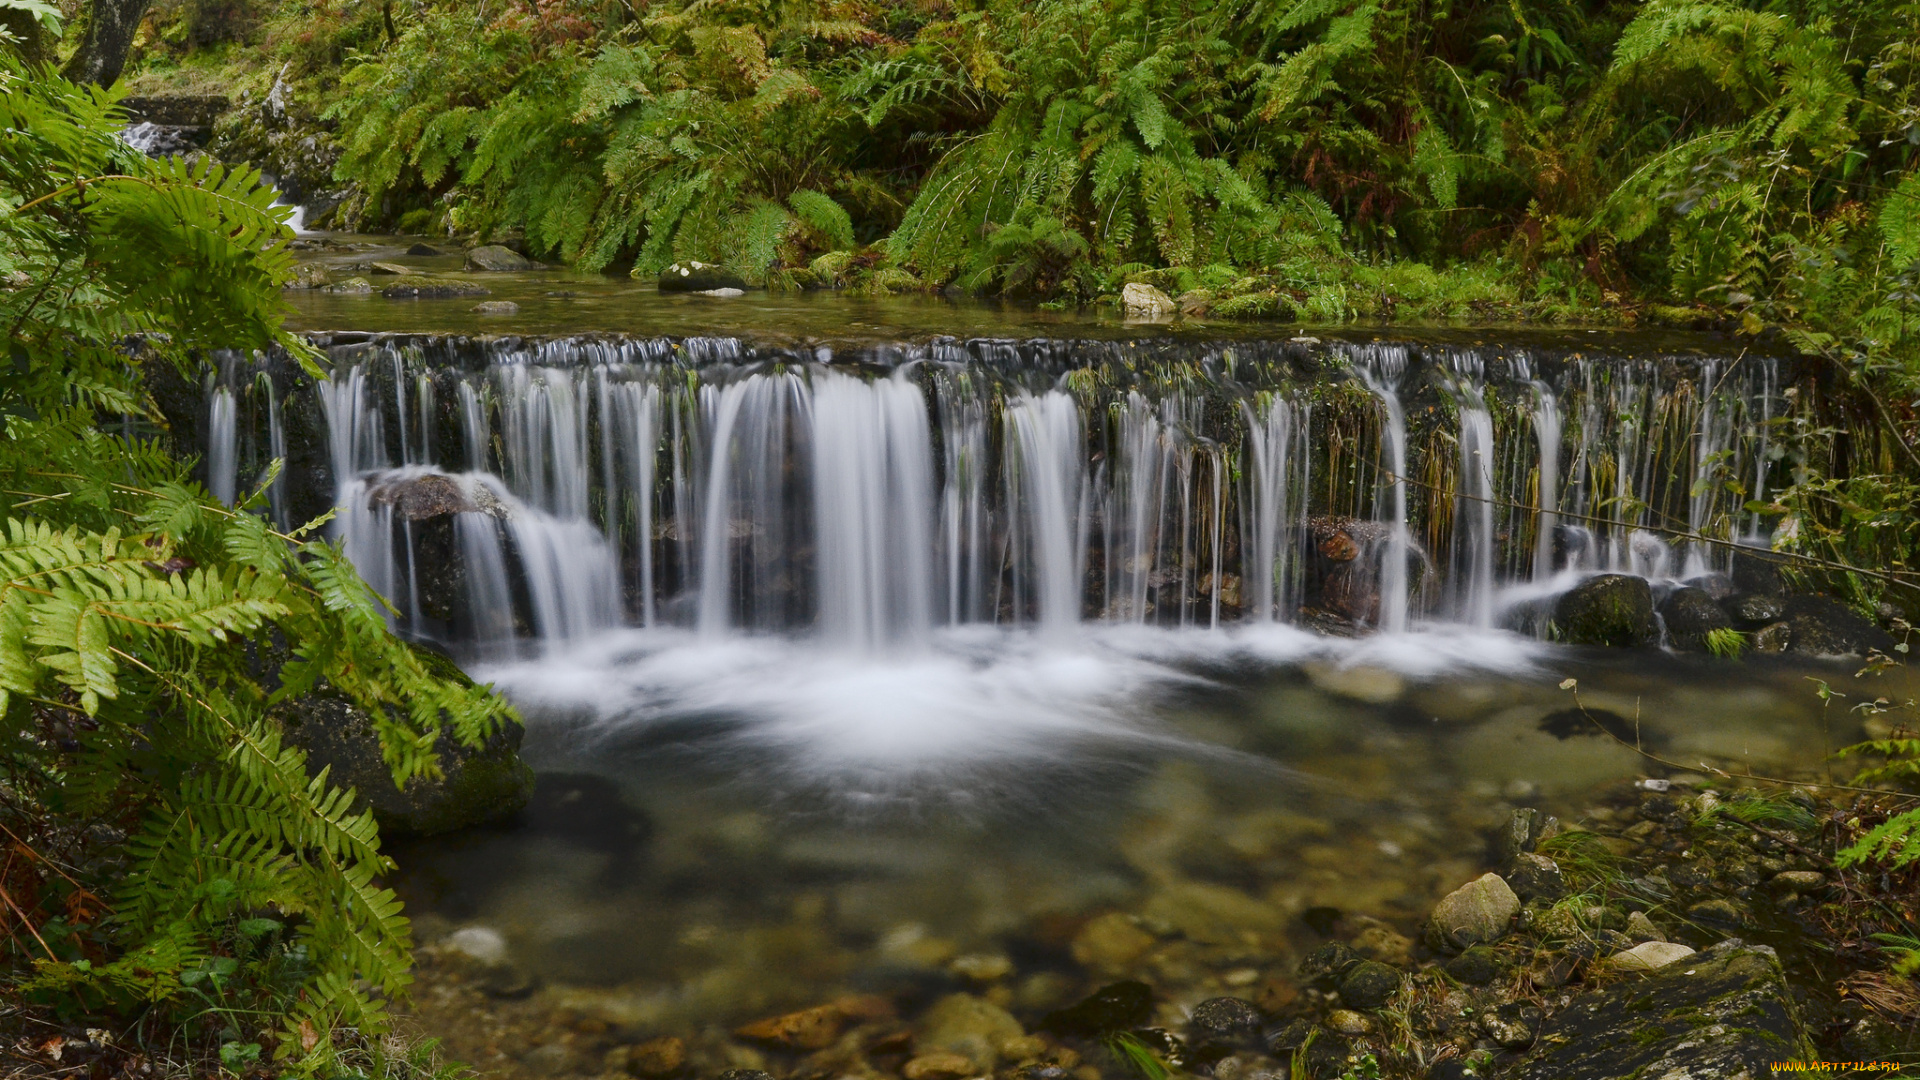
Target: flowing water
846, 657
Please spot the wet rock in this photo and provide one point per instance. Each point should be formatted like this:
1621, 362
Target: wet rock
496, 307
1758, 572
1212, 914
1514, 1025
1642, 928
1751, 611
1142, 301
1116, 1007
814, 1028
309, 276
1477, 966
1773, 639
1224, 1021
1343, 573
1384, 944
1822, 626
1690, 615
1607, 609
355, 286
1723, 912
478, 784
1479, 911
1536, 877
1369, 985
1328, 964
963, 1024
938, 1066
1349, 1023
422, 251
693, 276
421, 288
496, 259
981, 967
1728, 1016
1798, 880
390, 269
1110, 942
1648, 956
1524, 830
657, 1058
745, 1074
1363, 683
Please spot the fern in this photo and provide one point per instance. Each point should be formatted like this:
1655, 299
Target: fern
1894, 842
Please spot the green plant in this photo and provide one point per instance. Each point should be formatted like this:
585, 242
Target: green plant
1137, 1057
1726, 642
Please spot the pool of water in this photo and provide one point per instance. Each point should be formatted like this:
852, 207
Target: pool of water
730, 828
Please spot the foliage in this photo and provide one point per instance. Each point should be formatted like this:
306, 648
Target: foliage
1726, 642
148, 633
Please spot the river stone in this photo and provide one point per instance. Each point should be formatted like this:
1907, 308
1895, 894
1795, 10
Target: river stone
1754, 610
1798, 880
1477, 966
803, 1029
1479, 911
354, 286
1115, 1007
1607, 609
1514, 1025
496, 259
963, 1024
1326, 965
1224, 1021
657, 1058
422, 251
496, 307
1143, 301
1535, 877
478, 784
1642, 928
1369, 985
938, 1066
1648, 956
1728, 1016
309, 276
1822, 626
1349, 1023
694, 276
1110, 942
423, 288
391, 269
1690, 615
1757, 571
1773, 639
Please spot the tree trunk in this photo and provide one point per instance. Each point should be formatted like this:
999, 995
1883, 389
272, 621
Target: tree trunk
110, 28
31, 39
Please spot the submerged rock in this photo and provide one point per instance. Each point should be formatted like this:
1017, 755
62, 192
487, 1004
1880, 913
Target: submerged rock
496, 259
1110, 942
693, 276
1608, 609
423, 251
977, 1029
422, 288
1477, 912
496, 307
1224, 1021
477, 784
1727, 1015
1116, 1007
1690, 615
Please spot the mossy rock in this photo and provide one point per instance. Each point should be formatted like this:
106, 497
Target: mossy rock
1607, 609
478, 785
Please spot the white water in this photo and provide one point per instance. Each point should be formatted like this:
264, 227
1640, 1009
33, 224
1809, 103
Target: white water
1382, 367
222, 445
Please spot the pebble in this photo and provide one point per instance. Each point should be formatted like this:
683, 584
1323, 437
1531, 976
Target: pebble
938, 1066
1641, 928
657, 1058
1223, 1021
1479, 911
1648, 956
481, 944
1477, 966
1110, 943
981, 967
1799, 880
496, 307
1370, 984
1513, 1025
1349, 1023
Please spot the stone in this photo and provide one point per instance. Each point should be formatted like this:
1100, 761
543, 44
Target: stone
1328, 964
1798, 880
691, 276
1822, 626
309, 276
805, 1029
1514, 1025
1477, 912
1536, 877
981, 967
745, 1074
391, 269
422, 251
1369, 984
941, 1066
1116, 1007
496, 259
422, 288
1723, 912
1773, 639
1607, 609
1648, 956
478, 784
481, 944
1477, 966
1751, 611
354, 286
496, 307
972, 1027
1757, 571
1110, 942
1143, 301
657, 1058
1728, 1016
725, 292
1361, 682
1224, 1021
1641, 928
1384, 944
1213, 914
1690, 615
1349, 1023
1524, 830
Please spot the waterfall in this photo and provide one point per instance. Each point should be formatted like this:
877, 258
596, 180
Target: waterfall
1134, 516
222, 445
1546, 435
1267, 543
636, 414
1044, 479
744, 527
1472, 579
277, 447
964, 518
1382, 367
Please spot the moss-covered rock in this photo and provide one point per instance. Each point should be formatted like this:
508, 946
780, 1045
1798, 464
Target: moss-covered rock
1728, 1016
1691, 615
1607, 609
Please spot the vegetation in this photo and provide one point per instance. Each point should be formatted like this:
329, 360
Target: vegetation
171, 859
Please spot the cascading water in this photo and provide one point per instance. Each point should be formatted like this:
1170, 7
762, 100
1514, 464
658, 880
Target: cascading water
712, 484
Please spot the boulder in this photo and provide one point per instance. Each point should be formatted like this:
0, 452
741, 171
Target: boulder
1773, 639
422, 251
1822, 626
478, 784
1142, 301
1477, 912
496, 307
1607, 609
496, 259
699, 277
309, 276
1727, 1015
1535, 877
413, 287
1690, 615
1647, 956
1752, 611
1758, 571
391, 269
